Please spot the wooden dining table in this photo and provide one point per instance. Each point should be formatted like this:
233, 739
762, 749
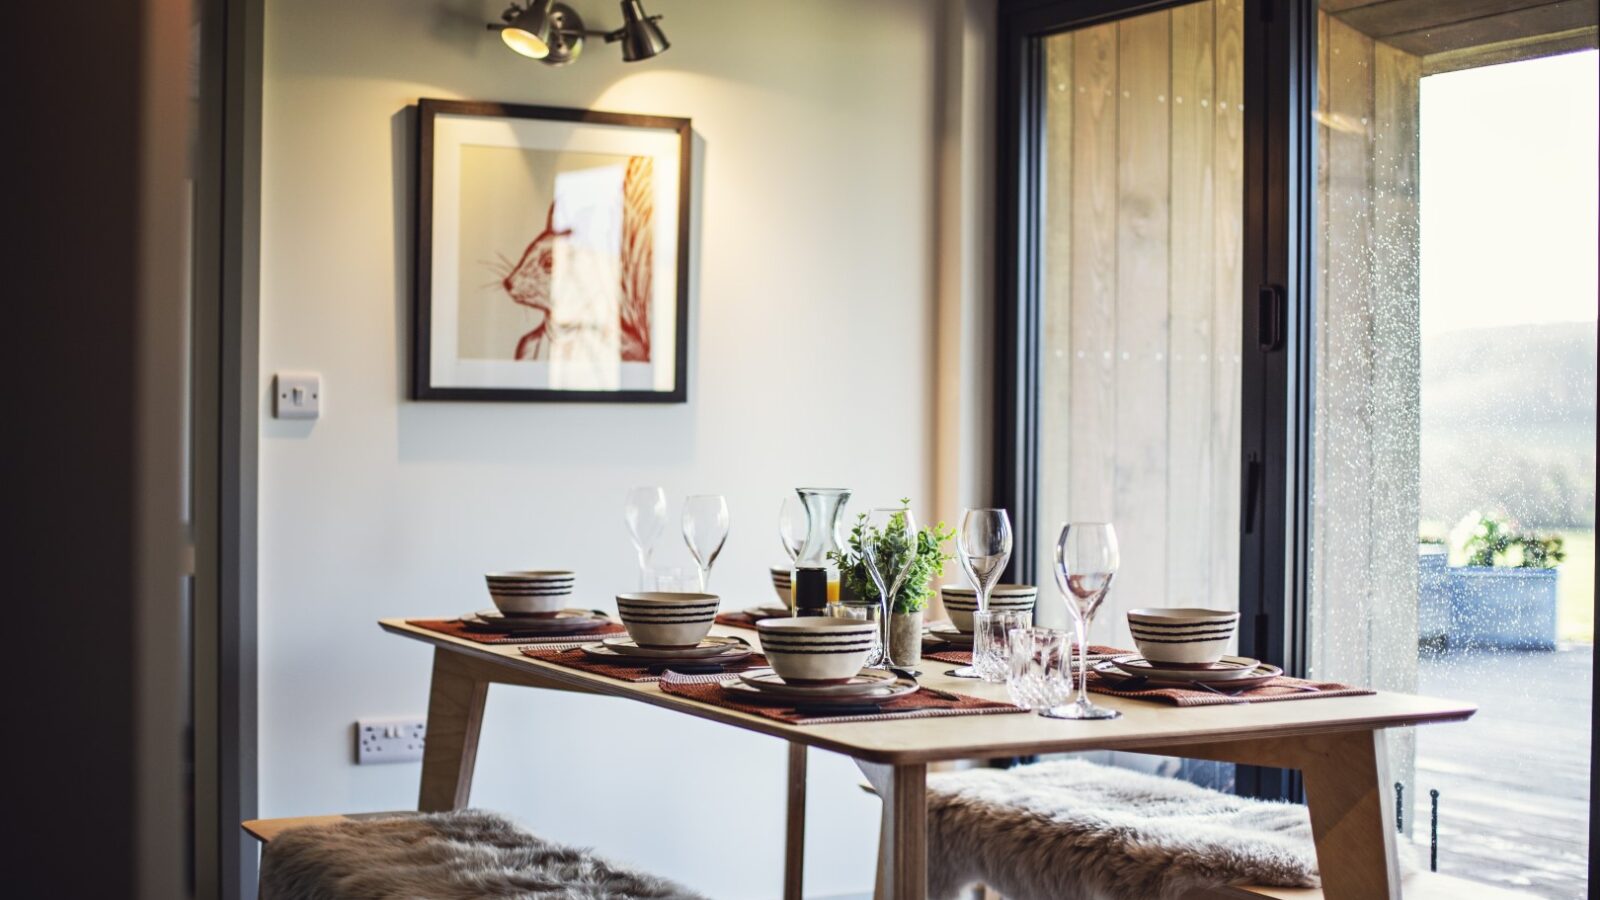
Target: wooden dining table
1337, 743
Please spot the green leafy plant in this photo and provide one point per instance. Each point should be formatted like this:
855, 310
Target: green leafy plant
926, 549
1493, 541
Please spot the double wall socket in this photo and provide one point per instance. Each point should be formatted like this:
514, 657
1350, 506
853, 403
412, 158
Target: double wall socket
389, 740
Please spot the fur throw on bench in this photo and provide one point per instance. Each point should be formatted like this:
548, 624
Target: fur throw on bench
444, 856
1073, 830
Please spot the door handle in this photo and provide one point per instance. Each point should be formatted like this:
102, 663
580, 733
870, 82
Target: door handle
1270, 314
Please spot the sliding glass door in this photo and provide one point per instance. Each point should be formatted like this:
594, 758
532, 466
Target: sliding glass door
1301, 296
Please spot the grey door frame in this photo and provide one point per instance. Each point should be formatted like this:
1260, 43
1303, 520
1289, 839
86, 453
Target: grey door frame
226, 410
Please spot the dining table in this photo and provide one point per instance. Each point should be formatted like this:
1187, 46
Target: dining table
1337, 743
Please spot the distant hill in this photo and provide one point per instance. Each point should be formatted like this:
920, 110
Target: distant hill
1508, 423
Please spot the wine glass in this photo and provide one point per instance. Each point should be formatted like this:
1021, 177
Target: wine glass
705, 530
888, 545
793, 523
645, 511
984, 546
1086, 562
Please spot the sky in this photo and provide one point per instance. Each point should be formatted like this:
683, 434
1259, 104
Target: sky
1509, 194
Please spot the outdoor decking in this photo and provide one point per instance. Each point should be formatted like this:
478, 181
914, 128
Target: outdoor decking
1514, 781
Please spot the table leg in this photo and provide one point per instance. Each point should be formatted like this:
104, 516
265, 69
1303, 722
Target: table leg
455, 715
1352, 816
794, 850
1350, 797
903, 834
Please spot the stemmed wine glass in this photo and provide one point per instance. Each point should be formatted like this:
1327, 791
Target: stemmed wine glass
646, 514
793, 523
1086, 562
705, 530
984, 546
888, 544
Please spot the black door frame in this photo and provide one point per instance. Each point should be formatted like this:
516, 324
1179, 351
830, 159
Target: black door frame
1276, 403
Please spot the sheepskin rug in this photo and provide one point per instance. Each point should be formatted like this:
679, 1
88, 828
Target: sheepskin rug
1073, 830
444, 856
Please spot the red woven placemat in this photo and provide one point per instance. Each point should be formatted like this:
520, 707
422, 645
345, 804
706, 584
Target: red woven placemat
922, 704
456, 628
738, 619
1281, 688
1097, 653
640, 674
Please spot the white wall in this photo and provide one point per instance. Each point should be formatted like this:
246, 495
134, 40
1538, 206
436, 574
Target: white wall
814, 291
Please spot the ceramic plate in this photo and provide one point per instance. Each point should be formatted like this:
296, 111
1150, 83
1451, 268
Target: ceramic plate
1228, 668
567, 621
622, 645
865, 682
741, 690
1262, 674
770, 612
602, 653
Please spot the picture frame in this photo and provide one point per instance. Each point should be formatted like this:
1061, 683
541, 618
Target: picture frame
551, 254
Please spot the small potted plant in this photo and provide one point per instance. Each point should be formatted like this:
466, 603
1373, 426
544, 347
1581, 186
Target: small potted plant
909, 602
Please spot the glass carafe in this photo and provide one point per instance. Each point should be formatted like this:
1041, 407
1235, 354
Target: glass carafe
816, 577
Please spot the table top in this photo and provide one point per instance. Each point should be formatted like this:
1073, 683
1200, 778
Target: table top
1144, 725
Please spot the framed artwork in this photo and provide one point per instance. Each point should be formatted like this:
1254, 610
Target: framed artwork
551, 255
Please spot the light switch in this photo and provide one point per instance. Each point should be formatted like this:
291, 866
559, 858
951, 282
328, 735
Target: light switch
298, 395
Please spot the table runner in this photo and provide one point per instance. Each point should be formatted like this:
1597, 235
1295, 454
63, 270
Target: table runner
456, 628
574, 658
922, 704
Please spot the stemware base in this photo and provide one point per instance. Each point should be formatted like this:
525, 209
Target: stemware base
1082, 709
963, 672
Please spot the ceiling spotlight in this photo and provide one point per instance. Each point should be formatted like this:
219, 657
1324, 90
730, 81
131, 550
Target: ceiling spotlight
553, 32
640, 35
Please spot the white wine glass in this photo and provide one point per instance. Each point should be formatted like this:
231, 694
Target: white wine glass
705, 530
645, 512
888, 545
984, 547
1086, 563
793, 523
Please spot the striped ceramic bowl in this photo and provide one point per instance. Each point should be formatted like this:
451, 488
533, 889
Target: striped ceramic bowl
533, 593
781, 581
667, 621
961, 602
816, 649
1183, 638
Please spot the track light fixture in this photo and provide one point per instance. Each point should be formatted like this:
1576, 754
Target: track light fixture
553, 33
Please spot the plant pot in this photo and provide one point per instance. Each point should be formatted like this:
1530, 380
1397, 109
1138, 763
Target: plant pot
905, 639
1503, 608
1433, 596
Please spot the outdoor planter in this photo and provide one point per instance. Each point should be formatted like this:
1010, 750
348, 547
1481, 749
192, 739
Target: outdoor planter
1502, 608
1433, 595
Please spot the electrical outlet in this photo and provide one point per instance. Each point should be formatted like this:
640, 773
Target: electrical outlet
389, 740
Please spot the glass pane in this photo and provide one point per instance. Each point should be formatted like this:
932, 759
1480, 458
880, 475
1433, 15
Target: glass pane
1140, 316
1455, 381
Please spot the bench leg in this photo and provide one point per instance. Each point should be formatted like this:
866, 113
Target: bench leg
794, 850
455, 716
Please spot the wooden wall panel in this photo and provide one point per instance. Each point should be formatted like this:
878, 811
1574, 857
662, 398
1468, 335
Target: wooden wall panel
1143, 210
1363, 615
1055, 351
1090, 475
1192, 272
1227, 299
1143, 237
